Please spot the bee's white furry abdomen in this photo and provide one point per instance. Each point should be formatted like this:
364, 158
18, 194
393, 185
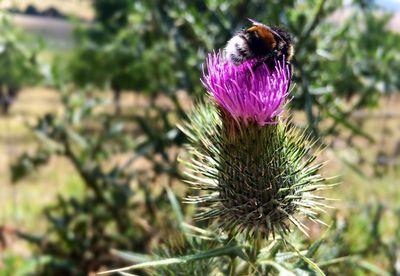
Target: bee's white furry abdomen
236, 50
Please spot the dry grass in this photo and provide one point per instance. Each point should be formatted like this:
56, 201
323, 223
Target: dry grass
23, 202
79, 8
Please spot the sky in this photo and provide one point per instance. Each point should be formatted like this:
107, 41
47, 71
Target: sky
392, 5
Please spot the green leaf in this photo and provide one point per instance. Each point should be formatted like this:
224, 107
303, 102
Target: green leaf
131, 256
312, 265
314, 247
372, 268
338, 260
282, 270
356, 260
127, 274
175, 206
226, 250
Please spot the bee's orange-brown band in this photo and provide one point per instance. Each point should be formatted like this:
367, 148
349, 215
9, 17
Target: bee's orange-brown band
264, 34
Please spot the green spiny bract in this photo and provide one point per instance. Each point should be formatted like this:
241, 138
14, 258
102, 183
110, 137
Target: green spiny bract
180, 245
256, 179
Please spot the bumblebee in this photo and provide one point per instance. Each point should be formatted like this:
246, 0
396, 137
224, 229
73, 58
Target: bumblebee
260, 42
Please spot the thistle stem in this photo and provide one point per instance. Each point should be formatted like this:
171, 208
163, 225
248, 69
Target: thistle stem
232, 266
255, 248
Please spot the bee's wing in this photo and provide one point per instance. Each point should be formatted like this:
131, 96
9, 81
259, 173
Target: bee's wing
256, 23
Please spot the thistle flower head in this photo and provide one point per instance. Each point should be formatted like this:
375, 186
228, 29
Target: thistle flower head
257, 172
249, 91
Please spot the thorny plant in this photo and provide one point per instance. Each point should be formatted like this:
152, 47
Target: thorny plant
255, 171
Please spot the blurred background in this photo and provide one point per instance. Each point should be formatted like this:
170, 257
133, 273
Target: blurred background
90, 94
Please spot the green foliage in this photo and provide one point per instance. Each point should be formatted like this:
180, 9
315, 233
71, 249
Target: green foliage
353, 245
27, 163
118, 209
18, 56
18, 61
112, 15
163, 45
361, 51
357, 244
17, 265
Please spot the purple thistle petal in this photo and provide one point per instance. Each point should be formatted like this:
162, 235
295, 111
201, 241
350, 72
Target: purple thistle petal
247, 93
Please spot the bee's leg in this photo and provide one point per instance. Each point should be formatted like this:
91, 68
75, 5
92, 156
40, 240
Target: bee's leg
265, 60
290, 66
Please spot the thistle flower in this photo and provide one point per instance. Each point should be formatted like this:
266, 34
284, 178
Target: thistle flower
247, 94
256, 170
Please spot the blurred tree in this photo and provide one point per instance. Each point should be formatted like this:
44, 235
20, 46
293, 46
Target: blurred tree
18, 62
159, 46
99, 50
112, 15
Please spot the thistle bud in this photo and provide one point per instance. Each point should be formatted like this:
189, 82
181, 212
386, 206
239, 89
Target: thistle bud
255, 169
